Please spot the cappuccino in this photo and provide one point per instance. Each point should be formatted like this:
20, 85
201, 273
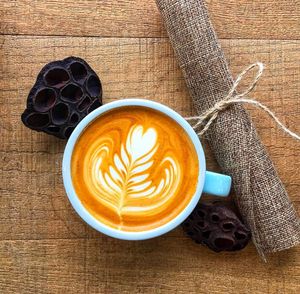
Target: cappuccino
134, 168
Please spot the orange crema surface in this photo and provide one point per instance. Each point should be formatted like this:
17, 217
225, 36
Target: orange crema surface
134, 169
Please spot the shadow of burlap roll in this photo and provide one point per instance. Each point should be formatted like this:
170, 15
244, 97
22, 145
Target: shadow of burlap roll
259, 193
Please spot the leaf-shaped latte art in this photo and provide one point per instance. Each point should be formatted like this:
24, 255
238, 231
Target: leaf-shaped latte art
127, 185
134, 169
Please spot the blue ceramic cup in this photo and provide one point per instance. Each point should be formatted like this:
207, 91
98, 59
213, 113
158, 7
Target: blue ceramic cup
208, 182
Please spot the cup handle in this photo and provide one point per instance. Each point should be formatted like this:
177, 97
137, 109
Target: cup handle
217, 184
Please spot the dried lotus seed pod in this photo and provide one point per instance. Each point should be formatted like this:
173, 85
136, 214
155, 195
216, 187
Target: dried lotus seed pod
217, 226
65, 91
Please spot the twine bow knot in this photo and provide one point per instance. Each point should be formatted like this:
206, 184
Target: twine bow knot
209, 116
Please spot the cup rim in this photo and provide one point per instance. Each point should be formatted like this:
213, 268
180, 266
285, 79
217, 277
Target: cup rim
97, 224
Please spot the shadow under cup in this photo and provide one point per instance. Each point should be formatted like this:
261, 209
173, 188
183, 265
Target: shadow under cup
134, 176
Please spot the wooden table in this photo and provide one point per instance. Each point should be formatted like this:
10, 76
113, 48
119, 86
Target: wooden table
44, 245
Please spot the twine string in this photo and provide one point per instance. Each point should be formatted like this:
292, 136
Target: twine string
208, 117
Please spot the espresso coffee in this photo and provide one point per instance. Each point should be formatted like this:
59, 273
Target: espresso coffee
134, 168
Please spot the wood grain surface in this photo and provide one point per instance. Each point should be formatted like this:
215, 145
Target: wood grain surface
241, 19
44, 245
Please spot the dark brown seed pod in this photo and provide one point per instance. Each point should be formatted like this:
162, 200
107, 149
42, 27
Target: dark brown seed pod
65, 91
217, 226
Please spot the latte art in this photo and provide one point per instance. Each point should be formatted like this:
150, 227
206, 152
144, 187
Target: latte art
129, 178
128, 168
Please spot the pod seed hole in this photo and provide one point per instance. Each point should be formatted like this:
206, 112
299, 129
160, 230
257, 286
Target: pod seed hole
57, 77
71, 93
60, 113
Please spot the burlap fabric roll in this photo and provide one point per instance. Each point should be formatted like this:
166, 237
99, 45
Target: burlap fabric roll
259, 193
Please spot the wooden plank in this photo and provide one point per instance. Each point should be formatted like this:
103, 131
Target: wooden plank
256, 19
33, 204
140, 18
162, 265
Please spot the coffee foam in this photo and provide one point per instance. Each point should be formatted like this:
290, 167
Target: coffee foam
128, 168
